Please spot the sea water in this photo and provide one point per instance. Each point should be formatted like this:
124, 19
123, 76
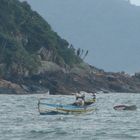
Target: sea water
20, 120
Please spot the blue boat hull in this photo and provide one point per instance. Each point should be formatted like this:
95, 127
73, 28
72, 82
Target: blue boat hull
53, 109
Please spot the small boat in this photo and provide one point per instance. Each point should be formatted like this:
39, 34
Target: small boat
125, 107
45, 108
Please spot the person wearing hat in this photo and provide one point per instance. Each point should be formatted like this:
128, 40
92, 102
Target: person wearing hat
80, 99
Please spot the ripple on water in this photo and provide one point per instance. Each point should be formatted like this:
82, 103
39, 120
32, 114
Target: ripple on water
20, 120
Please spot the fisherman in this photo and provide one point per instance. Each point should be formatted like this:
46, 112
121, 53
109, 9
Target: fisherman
80, 99
93, 96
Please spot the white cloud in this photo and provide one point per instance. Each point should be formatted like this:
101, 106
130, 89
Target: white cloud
136, 2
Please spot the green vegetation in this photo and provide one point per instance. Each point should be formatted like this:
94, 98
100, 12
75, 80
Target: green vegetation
23, 33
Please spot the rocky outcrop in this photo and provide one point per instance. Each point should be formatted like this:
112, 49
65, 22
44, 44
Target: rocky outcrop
62, 83
81, 77
7, 87
84, 78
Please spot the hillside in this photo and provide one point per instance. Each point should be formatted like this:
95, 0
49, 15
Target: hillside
34, 58
26, 39
109, 29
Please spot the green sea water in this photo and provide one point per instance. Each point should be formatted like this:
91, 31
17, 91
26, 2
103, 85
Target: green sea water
20, 120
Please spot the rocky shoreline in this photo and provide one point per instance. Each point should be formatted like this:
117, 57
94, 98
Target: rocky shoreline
66, 82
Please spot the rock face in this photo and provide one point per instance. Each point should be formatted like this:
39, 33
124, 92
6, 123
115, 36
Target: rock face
82, 77
63, 83
7, 87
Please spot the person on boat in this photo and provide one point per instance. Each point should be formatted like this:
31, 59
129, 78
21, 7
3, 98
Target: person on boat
93, 96
80, 99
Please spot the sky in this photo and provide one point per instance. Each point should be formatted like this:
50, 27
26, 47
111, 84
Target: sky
64, 22
137, 2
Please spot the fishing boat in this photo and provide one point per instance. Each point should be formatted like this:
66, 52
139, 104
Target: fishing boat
45, 108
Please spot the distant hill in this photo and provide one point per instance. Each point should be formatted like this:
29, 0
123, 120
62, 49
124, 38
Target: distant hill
109, 29
26, 39
35, 59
